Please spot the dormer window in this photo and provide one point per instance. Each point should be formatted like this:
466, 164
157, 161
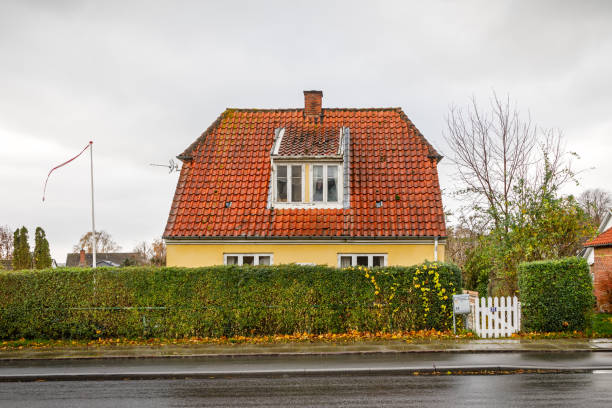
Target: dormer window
325, 183
307, 185
289, 182
308, 167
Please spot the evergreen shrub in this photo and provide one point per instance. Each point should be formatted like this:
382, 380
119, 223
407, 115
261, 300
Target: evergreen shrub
173, 302
556, 295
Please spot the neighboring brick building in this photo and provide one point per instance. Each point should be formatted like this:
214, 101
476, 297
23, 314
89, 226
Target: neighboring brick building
82, 259
601, 269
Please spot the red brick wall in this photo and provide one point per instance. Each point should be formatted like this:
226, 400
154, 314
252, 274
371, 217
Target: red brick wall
602, 278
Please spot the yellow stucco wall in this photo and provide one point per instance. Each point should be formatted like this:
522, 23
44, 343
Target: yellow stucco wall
192, 255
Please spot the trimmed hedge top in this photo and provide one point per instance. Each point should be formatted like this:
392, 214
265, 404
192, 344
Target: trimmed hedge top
556, 295
224, 300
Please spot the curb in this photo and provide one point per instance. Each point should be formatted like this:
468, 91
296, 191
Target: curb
302, 354
475, 370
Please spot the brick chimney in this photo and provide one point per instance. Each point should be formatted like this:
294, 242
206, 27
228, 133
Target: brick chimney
82, 258
312, 104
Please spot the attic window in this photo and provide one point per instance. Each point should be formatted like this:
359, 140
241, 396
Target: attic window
325, 183
289, 186
228, 204
307, 184
379, 204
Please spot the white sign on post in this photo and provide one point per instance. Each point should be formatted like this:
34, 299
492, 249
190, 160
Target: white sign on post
461, 304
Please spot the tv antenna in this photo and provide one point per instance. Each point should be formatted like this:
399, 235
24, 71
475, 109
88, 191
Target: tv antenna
172, 165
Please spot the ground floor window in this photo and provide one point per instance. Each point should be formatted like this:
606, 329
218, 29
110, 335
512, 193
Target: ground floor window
369, 260
247, 259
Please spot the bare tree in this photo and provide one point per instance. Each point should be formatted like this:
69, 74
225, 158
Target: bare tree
596, 202
104, 243
6, 242
463, 235
497, 150
155, 253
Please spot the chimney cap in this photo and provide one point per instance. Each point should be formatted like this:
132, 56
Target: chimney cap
313, 92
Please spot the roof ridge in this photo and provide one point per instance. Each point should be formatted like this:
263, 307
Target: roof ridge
186, 155
389, 108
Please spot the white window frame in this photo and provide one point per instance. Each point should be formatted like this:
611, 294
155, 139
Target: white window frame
354, 259
243, 254
289, 183
325, 173
310, 203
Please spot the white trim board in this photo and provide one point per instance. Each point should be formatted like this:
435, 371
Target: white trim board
299, 242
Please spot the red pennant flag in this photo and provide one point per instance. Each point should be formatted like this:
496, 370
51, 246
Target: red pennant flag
63, 164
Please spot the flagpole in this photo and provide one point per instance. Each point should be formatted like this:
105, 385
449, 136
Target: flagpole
93, 218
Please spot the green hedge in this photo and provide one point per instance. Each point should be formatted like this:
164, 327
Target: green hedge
556, 295
224, 301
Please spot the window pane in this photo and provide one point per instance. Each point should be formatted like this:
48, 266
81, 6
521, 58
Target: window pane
264, 260
281, 183
296, 183
232, 260
345, 261
378, 260
248, 260
317, 183
362, 260
332, 183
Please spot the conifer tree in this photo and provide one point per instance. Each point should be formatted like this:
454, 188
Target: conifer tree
22, 259
42, 255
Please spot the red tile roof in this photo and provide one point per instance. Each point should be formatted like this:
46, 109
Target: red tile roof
310, 140
603, 239
390, 160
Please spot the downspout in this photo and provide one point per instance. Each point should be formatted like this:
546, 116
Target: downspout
435, 249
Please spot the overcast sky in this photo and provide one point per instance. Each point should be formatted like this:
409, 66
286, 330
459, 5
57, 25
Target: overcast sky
144, 79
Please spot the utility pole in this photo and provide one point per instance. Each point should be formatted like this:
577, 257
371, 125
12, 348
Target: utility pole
93, 217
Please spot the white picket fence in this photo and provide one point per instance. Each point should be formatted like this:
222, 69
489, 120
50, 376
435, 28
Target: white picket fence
497, 317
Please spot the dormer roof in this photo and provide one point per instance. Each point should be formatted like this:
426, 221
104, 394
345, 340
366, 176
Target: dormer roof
309, 140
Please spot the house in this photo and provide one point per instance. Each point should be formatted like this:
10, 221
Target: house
314, 185
588, 252
83, 259
601, 266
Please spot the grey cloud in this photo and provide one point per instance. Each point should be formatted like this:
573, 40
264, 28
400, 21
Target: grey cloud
144, 78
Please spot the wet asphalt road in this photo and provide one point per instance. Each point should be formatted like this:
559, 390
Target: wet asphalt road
520, 390
157, 368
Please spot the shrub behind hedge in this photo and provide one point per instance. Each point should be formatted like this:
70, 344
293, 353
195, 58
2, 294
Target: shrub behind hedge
556, 295
224, 300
